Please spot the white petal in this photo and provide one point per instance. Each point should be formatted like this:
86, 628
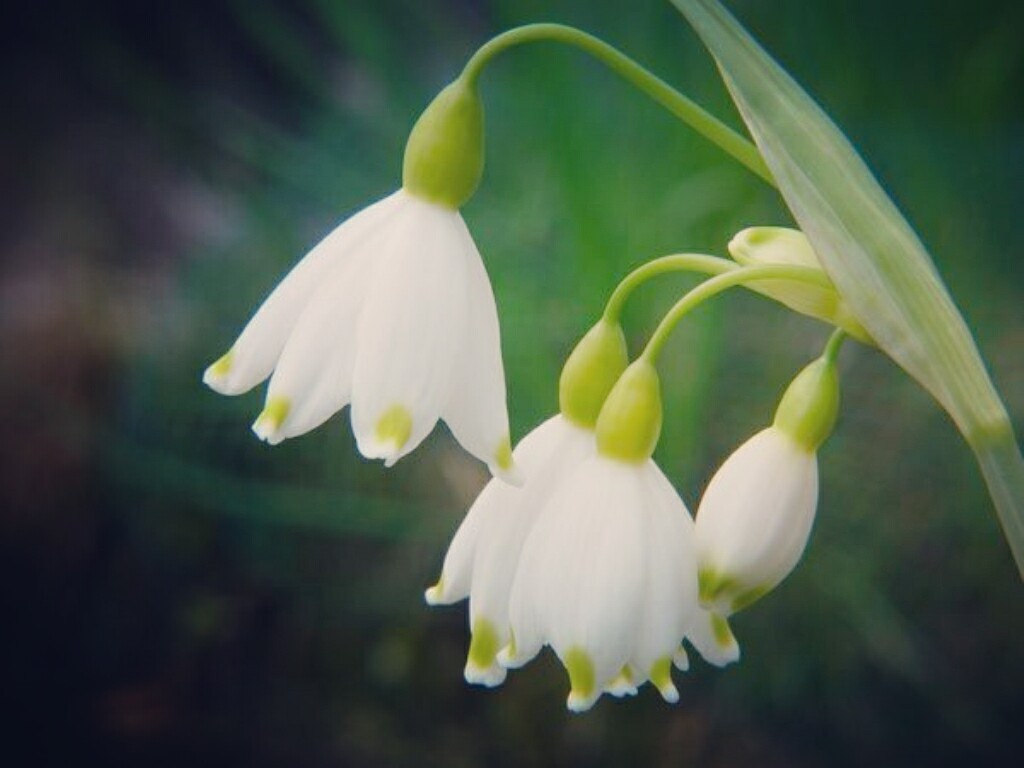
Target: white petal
457, 571
256, 351
670, 595
547, 455
476, 411
712, 636
409, 330
545, 451
756, 515
581, 578
313, 377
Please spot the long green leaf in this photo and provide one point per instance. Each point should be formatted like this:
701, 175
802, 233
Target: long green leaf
874, 257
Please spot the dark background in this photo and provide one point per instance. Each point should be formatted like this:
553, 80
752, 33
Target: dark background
176, 593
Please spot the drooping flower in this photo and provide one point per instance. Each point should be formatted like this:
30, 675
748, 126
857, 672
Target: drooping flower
757, 512
392, 313
607, 574
593, 555
607, 579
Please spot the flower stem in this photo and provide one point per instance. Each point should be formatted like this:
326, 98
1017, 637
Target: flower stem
679, 105
677, 262
722, 282
835, 343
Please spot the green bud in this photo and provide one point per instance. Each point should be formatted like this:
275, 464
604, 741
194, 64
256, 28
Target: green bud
780, 245
444, 157
630, 421
591, 371
808, 409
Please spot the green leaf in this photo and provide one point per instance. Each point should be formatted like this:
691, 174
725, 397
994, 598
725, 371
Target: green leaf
873, 256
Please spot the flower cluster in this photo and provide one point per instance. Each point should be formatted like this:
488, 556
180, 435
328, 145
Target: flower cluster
579, 542
598, 557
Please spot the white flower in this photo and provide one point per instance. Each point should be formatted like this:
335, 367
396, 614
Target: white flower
754, 519
483, 556
607, 578
393, 313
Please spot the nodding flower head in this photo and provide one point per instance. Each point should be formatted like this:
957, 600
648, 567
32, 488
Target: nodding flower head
392, 313
757, 512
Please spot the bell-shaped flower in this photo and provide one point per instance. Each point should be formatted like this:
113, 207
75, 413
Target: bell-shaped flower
392, 313
607, 579
756, 514
607, 574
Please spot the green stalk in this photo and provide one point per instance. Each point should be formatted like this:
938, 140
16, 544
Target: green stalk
691, 113
677, 262
715, 286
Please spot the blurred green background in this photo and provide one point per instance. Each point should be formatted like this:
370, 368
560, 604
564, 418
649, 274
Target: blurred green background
177, 593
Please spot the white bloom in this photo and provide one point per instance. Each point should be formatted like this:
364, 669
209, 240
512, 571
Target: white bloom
755, 518
607, 578
482, 559
393, 313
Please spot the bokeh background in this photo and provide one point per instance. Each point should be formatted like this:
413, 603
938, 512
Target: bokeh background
174, 592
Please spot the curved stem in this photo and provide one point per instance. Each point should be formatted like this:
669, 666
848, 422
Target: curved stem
835, 343
677, 262
716, 285
679, 105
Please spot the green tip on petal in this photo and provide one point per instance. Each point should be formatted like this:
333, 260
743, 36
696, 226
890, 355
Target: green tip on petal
483, 647
727, 594
223, 365
748, 597
722, 631
435, 595
217, 371
394, 427
661, 677
503, 456
581, 679
503, 465
274, 412
622, 684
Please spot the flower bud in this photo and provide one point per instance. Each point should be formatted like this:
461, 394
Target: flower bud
757, 512
779, 245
